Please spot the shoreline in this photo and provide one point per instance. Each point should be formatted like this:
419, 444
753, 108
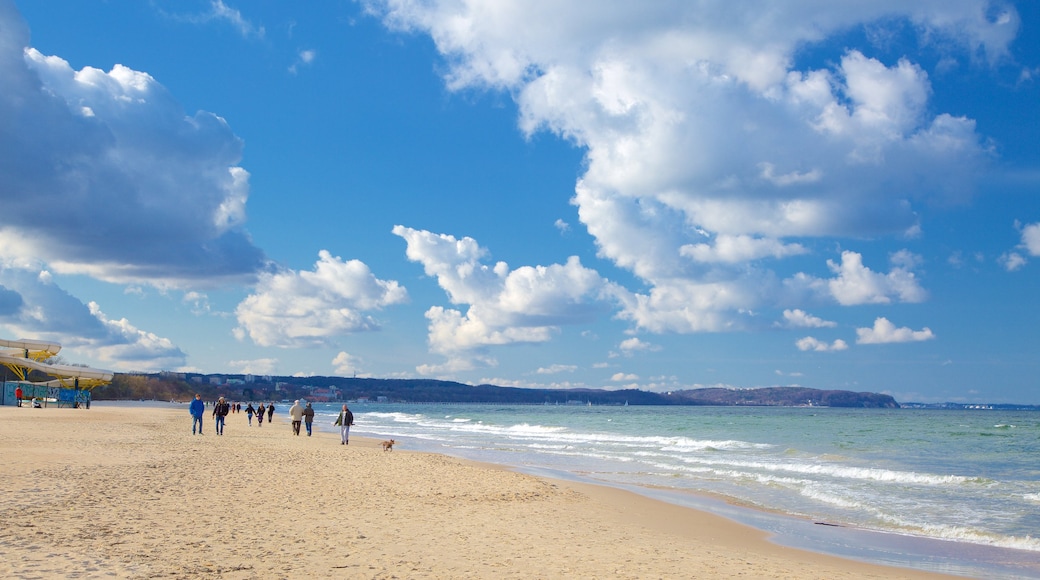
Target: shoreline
126, 490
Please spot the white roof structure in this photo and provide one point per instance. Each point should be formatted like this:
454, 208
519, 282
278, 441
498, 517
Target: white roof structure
23, 356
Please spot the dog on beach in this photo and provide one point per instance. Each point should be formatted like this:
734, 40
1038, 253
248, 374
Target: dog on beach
388, 445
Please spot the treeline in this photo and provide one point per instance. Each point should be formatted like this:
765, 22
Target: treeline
147, 387
166, 387
786, 397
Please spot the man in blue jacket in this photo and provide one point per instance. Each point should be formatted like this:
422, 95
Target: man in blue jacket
197, 409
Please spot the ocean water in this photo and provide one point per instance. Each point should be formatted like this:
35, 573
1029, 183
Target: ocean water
949, 491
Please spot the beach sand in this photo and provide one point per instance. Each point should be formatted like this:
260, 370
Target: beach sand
118, 491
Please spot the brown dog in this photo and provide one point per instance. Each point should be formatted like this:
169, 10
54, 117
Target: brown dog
388, 445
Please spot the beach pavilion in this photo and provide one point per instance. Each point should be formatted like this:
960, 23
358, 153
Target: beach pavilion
69, 386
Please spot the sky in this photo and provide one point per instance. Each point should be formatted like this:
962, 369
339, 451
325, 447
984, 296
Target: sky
659, 195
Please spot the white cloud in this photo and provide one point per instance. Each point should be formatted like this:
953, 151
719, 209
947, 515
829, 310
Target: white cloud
126, 347
555, 369
811, 343
634, 344
739, 249
781, 373
857, 284
800, 319
220, 12
506, 306
561, 225
346, 364
114, 156
303, 58
311, 308
884, 332
1030, 244
32, 305
1031, 239
259, 366
619, 377
1012, 261
696, 128
198, 302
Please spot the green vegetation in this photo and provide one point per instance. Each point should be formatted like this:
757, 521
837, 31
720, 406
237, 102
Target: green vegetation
182, 387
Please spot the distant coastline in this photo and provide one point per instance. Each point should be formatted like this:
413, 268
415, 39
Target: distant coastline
183, 386
169, 386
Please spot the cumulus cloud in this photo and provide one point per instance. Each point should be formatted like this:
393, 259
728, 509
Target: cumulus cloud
555, 369
742, 248
854, 283
813, 344
884, 332
32, 305
1030, 245
619, 377
114, 157
800, 319
312, 308
634, 344
345, 364
505, 306
1012, 261
259, 366
708, 148
1031, 239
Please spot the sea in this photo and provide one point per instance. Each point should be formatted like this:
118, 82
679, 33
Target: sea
950, 491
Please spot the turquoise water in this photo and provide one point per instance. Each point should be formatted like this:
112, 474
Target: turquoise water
962, 478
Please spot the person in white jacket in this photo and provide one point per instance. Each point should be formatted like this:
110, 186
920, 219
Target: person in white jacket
296, 414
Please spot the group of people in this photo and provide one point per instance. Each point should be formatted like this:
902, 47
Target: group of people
221, 409
259, 412
299, 415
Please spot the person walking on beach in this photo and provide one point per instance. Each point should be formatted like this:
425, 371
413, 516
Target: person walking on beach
296, 415
196, 408
18, 394
260, 415
250, 411
345, 420
308, 418
220, 410
270, 412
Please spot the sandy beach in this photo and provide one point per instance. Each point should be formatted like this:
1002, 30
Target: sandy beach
118, 491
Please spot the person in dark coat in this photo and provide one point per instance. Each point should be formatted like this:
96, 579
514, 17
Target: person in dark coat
220, 411
308, 418
345, 420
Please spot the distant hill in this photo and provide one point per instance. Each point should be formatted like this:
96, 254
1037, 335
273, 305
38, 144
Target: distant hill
785, 397
182, 387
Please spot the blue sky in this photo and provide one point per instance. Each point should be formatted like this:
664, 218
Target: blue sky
660, 195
